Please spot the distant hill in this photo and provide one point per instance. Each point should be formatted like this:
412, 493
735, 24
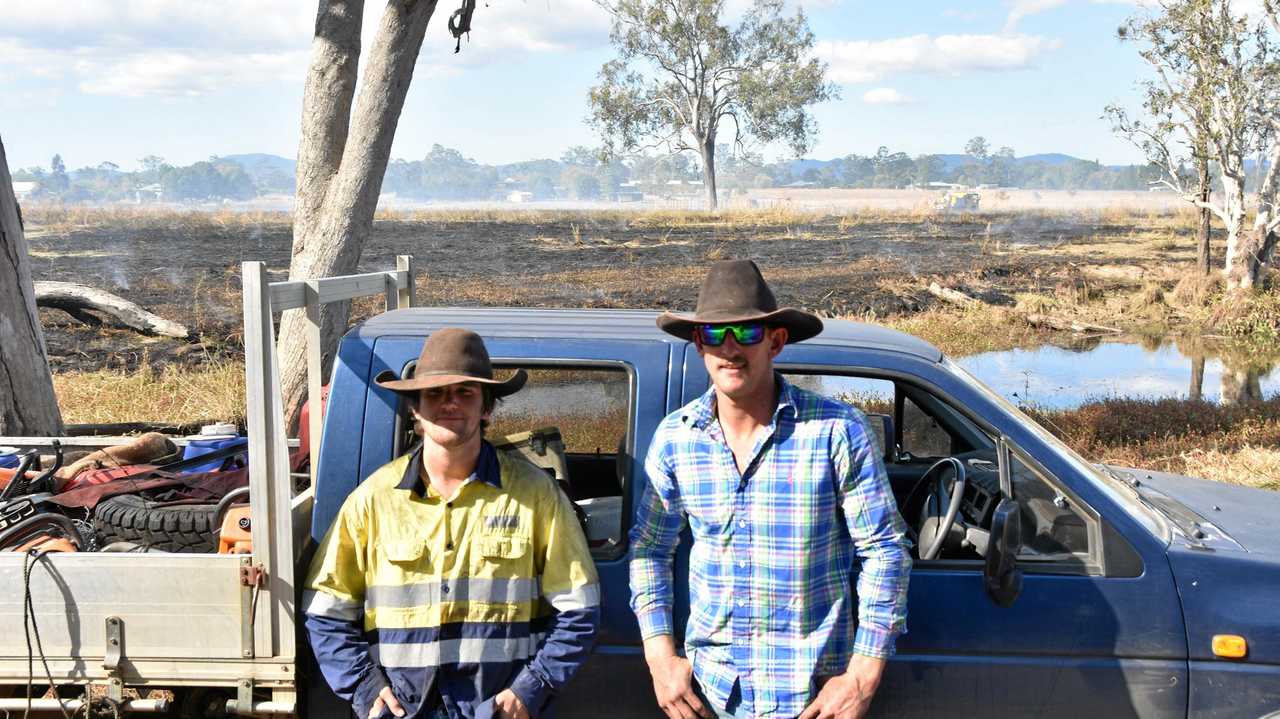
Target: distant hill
270, 173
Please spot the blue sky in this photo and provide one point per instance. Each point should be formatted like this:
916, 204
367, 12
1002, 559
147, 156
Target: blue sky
115, 81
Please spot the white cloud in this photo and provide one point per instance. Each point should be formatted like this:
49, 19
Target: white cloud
179, 74
173, 48
884, 96
860, 61
1019, 9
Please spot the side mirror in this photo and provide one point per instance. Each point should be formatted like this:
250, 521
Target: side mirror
1002, 577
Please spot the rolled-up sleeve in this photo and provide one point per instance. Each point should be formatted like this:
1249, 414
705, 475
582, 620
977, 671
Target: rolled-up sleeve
879, 539
659, 520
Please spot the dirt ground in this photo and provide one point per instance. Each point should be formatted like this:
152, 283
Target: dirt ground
868, 264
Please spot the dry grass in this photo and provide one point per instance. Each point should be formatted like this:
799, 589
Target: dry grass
175, 394
1239, 444
62, 218
968, 331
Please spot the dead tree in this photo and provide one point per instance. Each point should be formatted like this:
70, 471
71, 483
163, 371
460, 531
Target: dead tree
27, 402
342, 156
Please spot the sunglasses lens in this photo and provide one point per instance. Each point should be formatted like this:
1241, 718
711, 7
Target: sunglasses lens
747, 334
712, 335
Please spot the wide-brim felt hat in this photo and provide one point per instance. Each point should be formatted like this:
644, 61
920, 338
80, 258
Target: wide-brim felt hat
735, 291
449, 356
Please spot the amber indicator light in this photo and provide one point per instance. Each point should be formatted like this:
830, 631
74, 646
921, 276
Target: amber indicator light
1230, 646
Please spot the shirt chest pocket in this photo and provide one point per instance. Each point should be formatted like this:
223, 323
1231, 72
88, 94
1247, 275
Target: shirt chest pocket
398, 561
501, 554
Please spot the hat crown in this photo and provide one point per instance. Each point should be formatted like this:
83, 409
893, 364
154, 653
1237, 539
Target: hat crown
454, 351
734, 289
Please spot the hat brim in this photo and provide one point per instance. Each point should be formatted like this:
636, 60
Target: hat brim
800, 325
412, 383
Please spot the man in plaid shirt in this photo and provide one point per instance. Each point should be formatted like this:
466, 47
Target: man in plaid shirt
786, 495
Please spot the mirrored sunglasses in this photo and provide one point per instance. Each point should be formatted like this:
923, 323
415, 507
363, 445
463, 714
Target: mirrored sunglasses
744, 334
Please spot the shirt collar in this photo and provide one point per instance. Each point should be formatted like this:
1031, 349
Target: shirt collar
488, 470
703, 410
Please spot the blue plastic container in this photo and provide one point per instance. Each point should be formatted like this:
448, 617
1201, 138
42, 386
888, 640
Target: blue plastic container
200, 447
9, 458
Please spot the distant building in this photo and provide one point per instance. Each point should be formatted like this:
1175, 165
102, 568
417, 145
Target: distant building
629, 195
148, 193
23, 190
520, 196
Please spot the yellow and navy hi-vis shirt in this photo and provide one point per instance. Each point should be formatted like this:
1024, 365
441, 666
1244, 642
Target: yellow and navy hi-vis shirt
493, 589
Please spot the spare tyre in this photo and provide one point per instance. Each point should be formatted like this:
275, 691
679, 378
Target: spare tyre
167, 527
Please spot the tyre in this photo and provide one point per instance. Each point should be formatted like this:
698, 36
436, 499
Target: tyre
176, 528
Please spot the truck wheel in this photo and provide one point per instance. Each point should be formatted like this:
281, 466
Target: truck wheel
176, 528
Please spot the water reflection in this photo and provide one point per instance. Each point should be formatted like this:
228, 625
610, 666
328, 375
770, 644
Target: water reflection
1059, 377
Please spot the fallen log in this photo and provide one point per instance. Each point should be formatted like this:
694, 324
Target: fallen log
960, 299
955, 297
75, 299
1057, 323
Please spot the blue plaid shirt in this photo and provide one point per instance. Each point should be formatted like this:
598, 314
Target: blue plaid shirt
774, 551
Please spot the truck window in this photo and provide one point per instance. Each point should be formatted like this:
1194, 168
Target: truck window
1054, 527
573, 422
921, 434
871, 396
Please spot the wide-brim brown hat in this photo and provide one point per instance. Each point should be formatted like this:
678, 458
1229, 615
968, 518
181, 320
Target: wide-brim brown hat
449, 356
735, 291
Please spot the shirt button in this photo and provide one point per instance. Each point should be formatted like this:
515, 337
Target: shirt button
742, 523
444, 588
449, 545
742, 565
448, 505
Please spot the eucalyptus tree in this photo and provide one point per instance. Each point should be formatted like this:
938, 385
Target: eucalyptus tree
28, 405
1213, 98
682, 74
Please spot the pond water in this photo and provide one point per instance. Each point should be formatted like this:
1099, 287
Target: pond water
1061, 378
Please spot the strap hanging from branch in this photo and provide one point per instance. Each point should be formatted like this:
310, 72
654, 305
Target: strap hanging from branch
460, 22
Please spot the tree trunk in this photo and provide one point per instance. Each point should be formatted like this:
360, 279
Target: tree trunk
709, 172
28, 405
1235, 268
1206, 216
341, 164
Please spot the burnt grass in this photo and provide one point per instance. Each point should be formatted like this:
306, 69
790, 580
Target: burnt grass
836, 266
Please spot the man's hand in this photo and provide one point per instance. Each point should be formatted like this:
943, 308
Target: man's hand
509, 705
673, 680
848, 695
386, 700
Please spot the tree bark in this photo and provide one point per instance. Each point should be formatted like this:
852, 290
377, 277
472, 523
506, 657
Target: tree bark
1235, 268
28, 405
709, 172
72, 298
341, 164
1206, 216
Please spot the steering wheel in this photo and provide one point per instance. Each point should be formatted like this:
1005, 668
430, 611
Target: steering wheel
942, 501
